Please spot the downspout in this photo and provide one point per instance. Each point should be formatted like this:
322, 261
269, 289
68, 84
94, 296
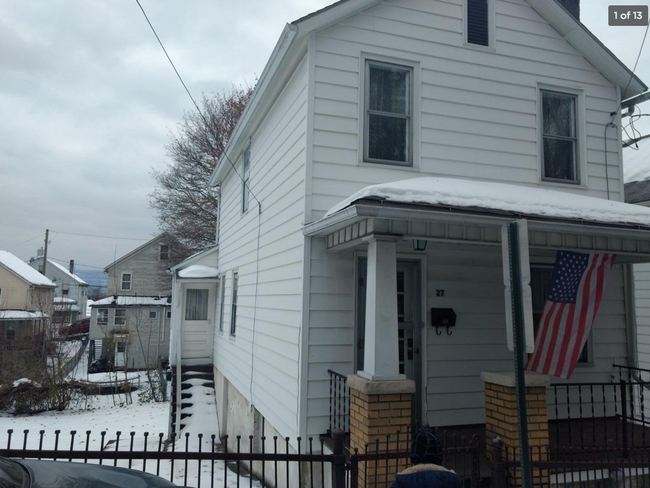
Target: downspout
179, 340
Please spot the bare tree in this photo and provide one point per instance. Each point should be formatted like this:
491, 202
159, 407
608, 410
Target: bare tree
186, 206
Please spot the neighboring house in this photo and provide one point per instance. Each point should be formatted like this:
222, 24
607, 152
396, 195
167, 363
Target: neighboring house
130, 328
71, 293
637, 191
316, 270
132, 332
26, 305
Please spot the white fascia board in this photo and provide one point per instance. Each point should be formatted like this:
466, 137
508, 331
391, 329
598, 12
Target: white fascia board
194, 258
261, 100
589, 46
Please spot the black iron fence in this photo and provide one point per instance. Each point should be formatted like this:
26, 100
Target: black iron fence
579, 467
203, 461
599, 416
339, 402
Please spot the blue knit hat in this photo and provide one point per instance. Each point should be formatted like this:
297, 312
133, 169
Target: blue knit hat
426, 448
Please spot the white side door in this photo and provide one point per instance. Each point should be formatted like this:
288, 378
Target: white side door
197, 317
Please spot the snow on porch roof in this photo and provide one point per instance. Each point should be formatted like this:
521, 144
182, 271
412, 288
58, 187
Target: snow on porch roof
525, 201
198, 271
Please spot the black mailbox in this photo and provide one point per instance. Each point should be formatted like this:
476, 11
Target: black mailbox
443, 317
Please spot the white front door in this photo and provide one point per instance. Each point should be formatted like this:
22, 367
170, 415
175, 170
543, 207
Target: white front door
198, 311
120, 354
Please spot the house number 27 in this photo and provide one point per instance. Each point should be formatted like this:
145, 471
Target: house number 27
440, 293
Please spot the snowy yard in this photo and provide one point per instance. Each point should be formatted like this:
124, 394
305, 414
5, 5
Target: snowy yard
113, 413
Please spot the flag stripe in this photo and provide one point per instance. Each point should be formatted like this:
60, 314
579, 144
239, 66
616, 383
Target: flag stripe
576, 290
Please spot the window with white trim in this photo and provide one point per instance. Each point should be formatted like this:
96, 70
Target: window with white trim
169, 314
388, 113
126, 281
233, 305
153, 314
559, 137
246, 174
102, 316
120, 316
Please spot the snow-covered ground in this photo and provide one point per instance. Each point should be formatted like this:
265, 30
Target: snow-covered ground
113, 413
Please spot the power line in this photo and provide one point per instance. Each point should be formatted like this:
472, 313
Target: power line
637, 58
29, 240
205, 121
76, 263
103, 237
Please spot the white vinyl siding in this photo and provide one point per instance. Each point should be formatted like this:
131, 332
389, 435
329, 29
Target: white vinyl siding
246, 174
478, 109
277, 179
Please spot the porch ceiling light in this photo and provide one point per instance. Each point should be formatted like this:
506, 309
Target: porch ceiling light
419, 245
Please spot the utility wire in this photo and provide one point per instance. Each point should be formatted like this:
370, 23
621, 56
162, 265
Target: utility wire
180, 78
75, 263
29, 240
103, 237
637, 60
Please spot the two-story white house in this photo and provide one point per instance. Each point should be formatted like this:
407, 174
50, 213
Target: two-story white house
364, 190
71, 293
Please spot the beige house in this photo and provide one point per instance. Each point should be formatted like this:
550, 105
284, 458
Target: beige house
26, 304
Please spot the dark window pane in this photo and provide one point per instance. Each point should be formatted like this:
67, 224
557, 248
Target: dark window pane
559, 114
387, 138
400, 281
196, 306
559, 159
477, 22
389, 90
400, 308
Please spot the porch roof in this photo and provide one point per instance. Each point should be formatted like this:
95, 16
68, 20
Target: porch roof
487, 202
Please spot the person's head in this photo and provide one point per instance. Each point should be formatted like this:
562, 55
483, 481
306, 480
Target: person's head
426, 448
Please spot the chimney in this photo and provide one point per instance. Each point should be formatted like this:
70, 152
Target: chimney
72, 266
573, 7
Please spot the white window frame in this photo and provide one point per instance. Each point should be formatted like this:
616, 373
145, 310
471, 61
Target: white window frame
491, 27
169, 314
222, 300
153, 314
115, 317
101, 315
130, 288
412, 125
581, 136
160, 252
246, 176
234, 294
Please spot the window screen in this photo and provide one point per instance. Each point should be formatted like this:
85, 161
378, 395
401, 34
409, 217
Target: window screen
388, 113
560, 141
477, 22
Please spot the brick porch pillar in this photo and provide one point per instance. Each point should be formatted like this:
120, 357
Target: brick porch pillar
379, 409
501, 419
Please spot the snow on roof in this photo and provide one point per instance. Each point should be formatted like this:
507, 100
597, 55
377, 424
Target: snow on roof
64, 300
131, 301
20, 315
521, 200
636, 162
198, 271
66, 307
24, 270
67, 272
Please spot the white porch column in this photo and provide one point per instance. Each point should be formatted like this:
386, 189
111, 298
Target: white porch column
381, 359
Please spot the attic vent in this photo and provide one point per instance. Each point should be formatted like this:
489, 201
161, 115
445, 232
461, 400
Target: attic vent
477, 22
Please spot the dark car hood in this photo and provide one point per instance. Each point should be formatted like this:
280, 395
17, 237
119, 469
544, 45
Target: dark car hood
63, 474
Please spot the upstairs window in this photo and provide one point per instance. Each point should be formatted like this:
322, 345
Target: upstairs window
478, 22
164, 252
153, 314
559, 137
233, 305
246, 173
120, 316
102, 316
65, 292
125, 282
388, 113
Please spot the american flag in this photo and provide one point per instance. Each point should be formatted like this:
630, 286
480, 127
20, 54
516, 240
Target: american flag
569, 312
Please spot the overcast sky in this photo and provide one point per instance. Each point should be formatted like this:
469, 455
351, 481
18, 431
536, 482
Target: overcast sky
87, 100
